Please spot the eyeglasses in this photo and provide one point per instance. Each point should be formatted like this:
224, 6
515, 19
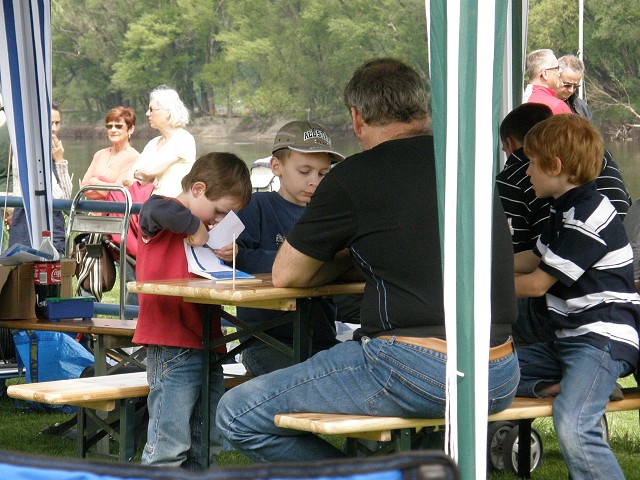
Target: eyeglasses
553, 68
152, 109
117, 126
570, 86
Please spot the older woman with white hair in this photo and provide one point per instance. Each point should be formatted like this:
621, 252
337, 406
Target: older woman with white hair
166, 159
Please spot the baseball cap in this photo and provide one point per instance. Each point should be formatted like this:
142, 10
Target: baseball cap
305, 137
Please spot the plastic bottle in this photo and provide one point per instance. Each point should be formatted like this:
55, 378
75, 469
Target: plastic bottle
47, 247
47, 276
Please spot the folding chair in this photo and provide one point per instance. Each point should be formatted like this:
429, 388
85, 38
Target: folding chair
81, 222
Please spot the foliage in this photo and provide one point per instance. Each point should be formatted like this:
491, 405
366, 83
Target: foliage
610, 26
291, 57
278, 57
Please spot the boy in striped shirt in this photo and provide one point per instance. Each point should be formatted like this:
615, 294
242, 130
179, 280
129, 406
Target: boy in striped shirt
582, 263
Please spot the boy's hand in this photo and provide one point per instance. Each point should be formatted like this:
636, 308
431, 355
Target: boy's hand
200, 237
226, 253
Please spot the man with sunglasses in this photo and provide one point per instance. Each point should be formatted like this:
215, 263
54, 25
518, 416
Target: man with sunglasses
571, 71
543, 71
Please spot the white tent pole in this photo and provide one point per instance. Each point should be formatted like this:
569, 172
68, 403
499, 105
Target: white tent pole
581, 43
450, 226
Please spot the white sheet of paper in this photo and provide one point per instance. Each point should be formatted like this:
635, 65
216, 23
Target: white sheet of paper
202, 261
222, 233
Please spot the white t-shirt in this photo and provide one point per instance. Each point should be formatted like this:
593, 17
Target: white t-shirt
181, 145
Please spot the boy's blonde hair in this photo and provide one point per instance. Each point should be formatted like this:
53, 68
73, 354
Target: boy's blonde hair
573, 140
224, 174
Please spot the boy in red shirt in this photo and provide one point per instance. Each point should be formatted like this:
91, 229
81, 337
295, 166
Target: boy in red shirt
171, 328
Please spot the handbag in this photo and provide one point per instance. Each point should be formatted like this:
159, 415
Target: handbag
95, 266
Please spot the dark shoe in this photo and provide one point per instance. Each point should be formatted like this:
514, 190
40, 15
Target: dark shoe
617, 394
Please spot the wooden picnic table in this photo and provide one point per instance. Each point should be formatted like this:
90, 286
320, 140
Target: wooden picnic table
261, 294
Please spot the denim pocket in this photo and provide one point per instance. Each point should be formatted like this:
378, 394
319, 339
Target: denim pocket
174, 357
504, 376
162, 360
411, 380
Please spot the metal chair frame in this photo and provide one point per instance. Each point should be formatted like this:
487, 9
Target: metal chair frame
80, 221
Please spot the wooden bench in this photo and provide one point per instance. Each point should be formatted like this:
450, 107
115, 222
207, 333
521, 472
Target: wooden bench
105, 393
400, 431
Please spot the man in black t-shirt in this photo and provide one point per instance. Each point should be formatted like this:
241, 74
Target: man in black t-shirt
375, 213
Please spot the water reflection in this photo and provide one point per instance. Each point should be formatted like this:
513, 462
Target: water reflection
80, 152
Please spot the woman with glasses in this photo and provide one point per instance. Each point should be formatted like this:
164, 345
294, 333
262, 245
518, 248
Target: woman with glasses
111, 165
166, 159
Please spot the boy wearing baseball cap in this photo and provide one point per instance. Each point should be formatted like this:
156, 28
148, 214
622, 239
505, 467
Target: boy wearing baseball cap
301, 156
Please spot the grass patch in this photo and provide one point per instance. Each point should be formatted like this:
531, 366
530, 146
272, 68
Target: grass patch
20, 431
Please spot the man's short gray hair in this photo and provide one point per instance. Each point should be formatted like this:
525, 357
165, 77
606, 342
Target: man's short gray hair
386, 90
539, 60
571, 62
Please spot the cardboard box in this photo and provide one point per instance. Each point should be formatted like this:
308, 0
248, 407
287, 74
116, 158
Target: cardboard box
68, 270
17, 294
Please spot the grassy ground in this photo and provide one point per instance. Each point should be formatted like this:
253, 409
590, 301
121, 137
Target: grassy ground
20, 430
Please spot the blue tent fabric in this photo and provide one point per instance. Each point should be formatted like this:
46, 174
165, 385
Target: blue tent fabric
25, 84
419, 465
50, 356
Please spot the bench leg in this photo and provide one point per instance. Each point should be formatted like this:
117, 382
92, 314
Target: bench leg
351, 447
127, 429
524, 448
81, 425
402, 439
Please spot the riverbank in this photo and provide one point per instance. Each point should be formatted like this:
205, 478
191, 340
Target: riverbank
209, 127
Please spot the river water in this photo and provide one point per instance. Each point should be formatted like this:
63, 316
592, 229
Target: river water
80, 152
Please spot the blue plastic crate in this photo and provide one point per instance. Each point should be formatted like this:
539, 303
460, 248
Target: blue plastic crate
73, 307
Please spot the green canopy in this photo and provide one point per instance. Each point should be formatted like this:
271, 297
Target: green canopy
476, 51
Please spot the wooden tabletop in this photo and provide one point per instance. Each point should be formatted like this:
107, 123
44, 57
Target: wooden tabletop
95, 326
260, 294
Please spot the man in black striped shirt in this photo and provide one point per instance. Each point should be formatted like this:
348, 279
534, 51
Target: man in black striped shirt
527, 213
583, 264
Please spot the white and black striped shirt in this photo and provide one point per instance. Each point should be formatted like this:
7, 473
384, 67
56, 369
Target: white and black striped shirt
527, 214
585, 247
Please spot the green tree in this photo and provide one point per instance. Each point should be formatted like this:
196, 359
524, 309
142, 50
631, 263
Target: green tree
294, 57
613, 27
87, 37
611, 49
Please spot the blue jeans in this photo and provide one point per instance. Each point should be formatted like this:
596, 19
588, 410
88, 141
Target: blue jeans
533, 324
370, 377
260, 359
174, 435
587, 376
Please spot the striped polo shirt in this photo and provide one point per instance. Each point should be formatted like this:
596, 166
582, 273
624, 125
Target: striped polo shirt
585, 247
527, 214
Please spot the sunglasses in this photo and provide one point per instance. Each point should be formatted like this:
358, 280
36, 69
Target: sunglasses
118, 126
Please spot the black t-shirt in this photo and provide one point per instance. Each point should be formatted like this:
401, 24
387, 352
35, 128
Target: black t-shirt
382, 205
